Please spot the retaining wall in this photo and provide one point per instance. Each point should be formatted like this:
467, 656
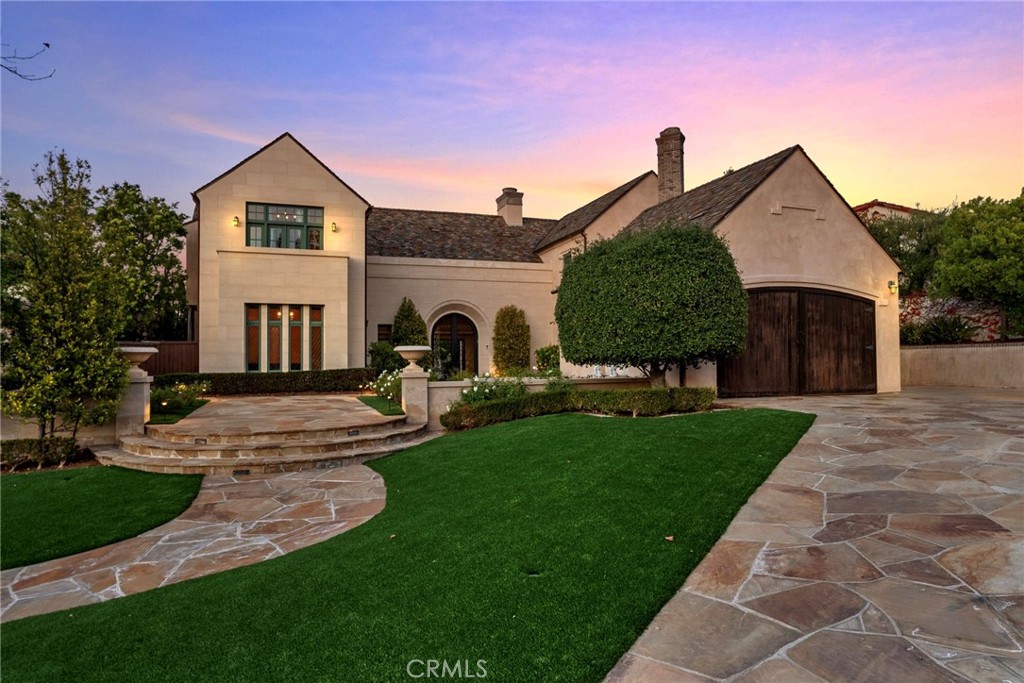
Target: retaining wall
994, 366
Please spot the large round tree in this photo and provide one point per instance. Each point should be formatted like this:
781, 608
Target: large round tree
651, 300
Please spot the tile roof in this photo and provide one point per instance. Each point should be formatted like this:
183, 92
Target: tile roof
708, 204
577, 221
448, 235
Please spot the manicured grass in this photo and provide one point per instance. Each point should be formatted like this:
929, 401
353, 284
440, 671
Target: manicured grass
538, 546
382, 405
51, 514
173, 418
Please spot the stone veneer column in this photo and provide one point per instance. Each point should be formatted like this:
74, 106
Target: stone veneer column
134, 412
415, 399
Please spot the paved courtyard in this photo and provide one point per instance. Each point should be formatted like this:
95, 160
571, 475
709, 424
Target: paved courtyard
888, 546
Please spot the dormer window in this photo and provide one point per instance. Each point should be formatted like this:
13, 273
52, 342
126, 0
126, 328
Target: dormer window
284, 227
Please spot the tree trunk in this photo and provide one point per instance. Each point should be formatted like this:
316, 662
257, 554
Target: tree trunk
657, 375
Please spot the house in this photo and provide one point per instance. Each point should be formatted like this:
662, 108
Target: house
879, 210
291, 269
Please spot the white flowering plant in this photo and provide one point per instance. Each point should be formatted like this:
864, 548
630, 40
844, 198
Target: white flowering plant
388, 386
489, 388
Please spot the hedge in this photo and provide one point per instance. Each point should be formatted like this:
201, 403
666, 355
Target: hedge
54, 450
638, 403
309, 382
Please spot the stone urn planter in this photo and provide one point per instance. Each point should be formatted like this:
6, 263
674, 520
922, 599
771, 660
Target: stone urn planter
137, 355
412, 355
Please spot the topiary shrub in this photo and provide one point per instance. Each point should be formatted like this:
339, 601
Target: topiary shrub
652, 299
511, 340
408, 327
548, 360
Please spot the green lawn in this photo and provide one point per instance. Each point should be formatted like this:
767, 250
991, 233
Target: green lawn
538, 546
382, 405
55, 513
173, 417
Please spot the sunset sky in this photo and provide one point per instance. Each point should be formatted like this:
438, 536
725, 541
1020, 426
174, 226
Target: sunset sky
439, 106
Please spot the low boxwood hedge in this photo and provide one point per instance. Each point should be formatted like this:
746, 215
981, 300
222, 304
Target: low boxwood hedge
18, 454
637, 402
308, 382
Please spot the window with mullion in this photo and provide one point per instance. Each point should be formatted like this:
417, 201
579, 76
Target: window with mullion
284, 227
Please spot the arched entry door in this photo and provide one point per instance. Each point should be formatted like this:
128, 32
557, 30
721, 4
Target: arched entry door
455, 343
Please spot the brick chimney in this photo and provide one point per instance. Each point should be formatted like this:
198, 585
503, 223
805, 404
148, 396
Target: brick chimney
670, 163
510, 206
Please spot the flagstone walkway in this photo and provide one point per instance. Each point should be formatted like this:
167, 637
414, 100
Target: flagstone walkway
234, 521
888, 546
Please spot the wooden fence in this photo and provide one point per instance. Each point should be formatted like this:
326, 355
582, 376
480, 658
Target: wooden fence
174, 356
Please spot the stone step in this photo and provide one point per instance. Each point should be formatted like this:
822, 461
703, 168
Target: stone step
147, 446
110, 455
193, 431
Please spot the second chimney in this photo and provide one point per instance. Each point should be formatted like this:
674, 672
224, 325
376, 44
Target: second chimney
510, 206
670, 163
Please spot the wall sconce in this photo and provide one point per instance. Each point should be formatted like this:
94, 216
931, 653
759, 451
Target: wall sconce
334, 227
234, 222
893, 286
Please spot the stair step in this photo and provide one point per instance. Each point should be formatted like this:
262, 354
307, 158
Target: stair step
148, 446
283, 463
175, 433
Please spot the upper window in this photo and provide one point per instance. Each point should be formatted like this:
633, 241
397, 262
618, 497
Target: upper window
284, 227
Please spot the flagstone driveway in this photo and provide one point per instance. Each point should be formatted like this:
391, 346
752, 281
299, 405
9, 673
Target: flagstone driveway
888, 546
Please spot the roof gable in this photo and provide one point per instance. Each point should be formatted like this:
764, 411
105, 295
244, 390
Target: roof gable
414, 233
261, 150
577, 221
708, 204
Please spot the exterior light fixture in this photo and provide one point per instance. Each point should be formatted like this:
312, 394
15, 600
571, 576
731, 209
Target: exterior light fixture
334, 227
893, 286
234, 222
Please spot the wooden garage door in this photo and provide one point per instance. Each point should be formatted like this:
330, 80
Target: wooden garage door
803, 341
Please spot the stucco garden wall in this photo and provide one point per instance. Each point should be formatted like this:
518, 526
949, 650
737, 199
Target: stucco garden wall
476, 289
792, 232
993, 366
230, 274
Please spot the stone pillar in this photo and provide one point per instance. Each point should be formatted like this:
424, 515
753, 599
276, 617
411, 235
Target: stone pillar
415, 397
134, 412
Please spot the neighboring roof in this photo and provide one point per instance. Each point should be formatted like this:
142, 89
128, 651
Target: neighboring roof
885, 205
270, 144
708, 204
447, 235
577, 221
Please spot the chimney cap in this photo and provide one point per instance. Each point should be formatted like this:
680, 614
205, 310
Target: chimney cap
671, 132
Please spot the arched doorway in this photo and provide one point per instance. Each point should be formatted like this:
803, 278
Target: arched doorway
454, 341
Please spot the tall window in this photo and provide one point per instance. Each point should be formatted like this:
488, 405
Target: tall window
294, 337
316, 337
252, 338
284, 227
274, 338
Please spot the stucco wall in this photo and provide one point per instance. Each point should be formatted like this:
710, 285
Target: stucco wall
794, 231
232, 274
964, 365
476, 289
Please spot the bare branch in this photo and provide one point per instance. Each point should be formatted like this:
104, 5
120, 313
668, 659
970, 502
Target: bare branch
9, 62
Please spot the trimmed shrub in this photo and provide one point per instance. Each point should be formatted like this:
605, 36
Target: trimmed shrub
408, 327
384, 358
549, 360
638, 403
559, 384
511, 340
52, 451
309, 382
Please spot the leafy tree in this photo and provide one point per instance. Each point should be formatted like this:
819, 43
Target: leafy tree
651, 300
511, 340
982, 256
63, 305
143, 236
408, 327
913, 242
